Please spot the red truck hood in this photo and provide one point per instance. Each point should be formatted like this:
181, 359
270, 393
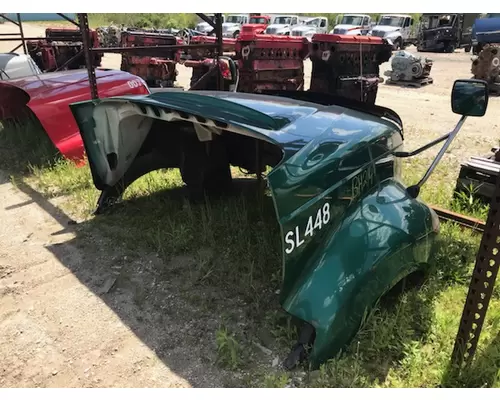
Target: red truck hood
49, 95
254, 26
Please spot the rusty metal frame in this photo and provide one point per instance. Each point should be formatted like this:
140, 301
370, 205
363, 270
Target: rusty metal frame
21, 37
152, 50
480, 288
14, 36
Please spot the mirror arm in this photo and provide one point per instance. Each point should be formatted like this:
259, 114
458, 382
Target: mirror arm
405, 154
414, 190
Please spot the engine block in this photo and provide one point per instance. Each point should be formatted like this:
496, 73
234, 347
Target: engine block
61, 48
156, 71
407, 67
270, 62
348, 66
487, 66
228, 46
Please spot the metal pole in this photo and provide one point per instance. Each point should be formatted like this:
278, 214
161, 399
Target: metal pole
21, 32
480, 288
219, 51
84, 28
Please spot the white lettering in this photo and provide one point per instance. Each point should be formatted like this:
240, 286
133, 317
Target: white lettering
134, 83
293, 237
289, 241
297, 237
318, 223
310, 229
326, 213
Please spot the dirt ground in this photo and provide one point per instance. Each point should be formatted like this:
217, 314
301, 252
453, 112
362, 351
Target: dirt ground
62, 325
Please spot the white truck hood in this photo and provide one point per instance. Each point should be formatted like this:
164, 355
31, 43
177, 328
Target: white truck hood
14, 65
229, 25
203, 27
278, 26
304, 28
386, 29
345, 26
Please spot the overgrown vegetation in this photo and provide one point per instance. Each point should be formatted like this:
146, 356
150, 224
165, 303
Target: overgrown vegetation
233, 273
176, 20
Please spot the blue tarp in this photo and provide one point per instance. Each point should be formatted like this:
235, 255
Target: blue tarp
40, 16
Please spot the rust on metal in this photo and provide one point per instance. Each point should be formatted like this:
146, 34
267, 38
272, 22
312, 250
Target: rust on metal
84, 28
147, 50
480, 288
451, 216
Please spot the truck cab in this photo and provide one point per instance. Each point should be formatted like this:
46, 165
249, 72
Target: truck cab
445, 32
257, 24
310, 27
395, 27
352, 24
232, 26
282, 25
204, 27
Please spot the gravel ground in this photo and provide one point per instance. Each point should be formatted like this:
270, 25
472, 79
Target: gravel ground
62, 325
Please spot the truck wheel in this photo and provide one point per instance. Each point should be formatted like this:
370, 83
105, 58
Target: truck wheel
449, 48
236, 34
397, 44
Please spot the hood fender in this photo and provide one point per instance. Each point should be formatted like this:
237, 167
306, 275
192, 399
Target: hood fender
111, 152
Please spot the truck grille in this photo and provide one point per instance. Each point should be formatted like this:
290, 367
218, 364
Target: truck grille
338, 31
271, 31
297, 33
380, 34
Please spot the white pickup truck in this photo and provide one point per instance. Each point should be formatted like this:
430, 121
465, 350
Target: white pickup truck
205, 27
232, 26
282, 25
352, 24
310, 27
398, 28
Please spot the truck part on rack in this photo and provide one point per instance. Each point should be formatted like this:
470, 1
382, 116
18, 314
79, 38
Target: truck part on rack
156, 71
348, 66
271, 62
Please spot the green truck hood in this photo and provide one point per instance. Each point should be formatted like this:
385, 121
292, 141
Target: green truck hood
336, 168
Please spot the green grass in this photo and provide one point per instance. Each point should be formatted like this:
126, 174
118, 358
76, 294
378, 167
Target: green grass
407, 341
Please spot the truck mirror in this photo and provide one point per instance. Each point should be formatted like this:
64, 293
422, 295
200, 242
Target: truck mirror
469, 97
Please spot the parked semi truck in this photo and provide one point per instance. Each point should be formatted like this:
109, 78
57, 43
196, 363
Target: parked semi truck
352, 24
398, 28
445, 32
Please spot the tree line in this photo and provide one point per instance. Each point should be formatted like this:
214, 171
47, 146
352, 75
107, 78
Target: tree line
182, 20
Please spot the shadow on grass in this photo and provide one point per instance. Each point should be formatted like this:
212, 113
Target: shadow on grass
177, 273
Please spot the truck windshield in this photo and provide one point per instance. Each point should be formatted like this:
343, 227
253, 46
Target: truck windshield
258, 20
235, 19
351, 20
437, 20
391, 21
313, 22
282, 20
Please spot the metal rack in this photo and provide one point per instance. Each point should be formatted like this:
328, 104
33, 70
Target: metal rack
488, 256
14, 35
19, 36
154, 51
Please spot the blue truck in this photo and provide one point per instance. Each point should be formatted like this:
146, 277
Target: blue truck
486, 30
